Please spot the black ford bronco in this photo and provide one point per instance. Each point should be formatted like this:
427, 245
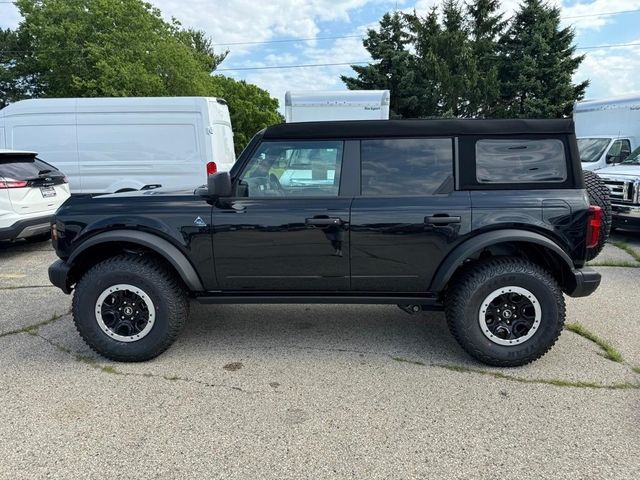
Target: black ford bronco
487, 220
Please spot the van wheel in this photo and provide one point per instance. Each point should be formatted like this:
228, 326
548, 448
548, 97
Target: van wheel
598, 195
505, 311
129, 308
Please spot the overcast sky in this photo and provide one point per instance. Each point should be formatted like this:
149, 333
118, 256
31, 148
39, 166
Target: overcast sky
612, 71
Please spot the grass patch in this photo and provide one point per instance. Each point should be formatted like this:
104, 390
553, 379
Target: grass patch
20, 287
614, 263
545, 381
404, 360
636, 369
627, 248
33, 328
610, 351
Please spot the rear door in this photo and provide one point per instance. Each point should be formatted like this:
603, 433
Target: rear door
408, 216
35, 186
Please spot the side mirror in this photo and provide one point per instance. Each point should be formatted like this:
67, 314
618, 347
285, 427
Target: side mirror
219, 184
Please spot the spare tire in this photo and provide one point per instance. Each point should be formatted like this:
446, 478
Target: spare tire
599, 196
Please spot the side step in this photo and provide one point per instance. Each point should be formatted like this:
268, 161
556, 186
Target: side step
426, 302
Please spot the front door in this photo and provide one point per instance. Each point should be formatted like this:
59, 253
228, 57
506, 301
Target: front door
287, 227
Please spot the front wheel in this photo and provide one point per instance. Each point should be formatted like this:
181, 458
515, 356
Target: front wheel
129, 308
505, 311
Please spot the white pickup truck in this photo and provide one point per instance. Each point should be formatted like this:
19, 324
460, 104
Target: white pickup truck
623, 181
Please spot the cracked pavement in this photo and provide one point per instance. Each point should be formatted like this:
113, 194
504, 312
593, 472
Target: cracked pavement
312, 391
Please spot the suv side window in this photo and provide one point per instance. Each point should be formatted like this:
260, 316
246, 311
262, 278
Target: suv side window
506, 161
406, 166
620, 149
293, 169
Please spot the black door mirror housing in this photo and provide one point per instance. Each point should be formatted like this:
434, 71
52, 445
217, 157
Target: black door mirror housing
219, 185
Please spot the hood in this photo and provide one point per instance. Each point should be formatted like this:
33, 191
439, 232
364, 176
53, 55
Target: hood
620, 169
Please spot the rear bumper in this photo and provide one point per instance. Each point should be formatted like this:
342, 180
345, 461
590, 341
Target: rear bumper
27, 228
626, 216
586, 281
59, 275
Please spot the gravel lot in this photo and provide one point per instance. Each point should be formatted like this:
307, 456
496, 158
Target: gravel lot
310, 391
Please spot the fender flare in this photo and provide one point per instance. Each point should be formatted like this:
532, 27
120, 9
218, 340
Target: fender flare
466, 249
159, 245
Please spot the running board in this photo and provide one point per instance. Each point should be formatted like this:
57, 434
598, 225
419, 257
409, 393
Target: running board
430, 303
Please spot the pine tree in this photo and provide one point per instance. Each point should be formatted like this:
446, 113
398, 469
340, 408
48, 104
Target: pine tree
388, 48
459, 75
485, 29
537, 64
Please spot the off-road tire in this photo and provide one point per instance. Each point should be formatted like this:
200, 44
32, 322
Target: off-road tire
599, 196
472, 285
150, 275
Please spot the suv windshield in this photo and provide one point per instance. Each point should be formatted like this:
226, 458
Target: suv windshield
633, 158
591, 148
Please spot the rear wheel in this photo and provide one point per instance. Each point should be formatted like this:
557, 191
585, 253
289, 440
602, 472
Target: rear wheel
599, 196
129, 308
505, 311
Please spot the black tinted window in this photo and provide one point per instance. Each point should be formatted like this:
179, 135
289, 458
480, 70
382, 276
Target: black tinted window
520, 161
22, 168
418, 166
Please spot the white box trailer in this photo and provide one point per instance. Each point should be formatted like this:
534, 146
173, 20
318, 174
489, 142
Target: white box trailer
608, 130
107, 145
312, 106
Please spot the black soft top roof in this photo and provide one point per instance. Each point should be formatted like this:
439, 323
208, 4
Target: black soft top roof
416, 128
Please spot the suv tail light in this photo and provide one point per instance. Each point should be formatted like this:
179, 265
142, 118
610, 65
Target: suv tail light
211, 168
12, 183
594, 225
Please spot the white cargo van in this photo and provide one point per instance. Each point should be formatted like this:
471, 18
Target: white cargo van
337, 105
608, 130
107, 145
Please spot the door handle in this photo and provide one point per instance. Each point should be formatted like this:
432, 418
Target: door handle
441, 220
324, 221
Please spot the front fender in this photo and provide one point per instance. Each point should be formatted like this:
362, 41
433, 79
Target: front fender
159, 245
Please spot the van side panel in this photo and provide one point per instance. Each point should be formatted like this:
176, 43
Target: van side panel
52, 135
129, 150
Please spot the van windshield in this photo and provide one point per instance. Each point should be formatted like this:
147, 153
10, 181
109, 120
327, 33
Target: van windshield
591, 149
633, 158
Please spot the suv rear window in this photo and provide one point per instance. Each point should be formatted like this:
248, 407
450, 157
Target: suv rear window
408, 166
22, 167
520, 161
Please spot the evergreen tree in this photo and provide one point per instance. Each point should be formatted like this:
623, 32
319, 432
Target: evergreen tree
459, 74
537, 64
388, 48
485, 29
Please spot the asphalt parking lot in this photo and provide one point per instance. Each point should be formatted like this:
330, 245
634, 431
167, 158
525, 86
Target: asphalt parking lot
311, 391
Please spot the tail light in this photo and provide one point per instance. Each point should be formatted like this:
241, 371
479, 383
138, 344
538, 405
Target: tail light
65, 179
54, 232
12, 183
212, 168
594, 226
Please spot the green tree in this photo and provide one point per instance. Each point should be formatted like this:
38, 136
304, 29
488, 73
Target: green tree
485, 29
537, 64
459, 73
251, 108
108, 48
424, 89
388, 48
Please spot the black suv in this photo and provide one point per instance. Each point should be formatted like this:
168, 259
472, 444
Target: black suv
487, 220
